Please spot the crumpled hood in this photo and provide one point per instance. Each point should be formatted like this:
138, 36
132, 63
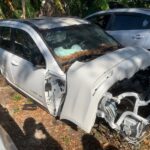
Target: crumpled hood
85, 78
94, 69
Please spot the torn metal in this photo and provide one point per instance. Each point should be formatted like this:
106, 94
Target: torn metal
55, 89
89, 92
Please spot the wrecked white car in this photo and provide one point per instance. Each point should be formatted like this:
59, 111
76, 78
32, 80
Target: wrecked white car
78, 72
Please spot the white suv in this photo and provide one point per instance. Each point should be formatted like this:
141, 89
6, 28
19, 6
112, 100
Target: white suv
78, 72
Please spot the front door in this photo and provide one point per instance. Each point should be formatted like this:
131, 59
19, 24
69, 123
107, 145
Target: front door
28, 66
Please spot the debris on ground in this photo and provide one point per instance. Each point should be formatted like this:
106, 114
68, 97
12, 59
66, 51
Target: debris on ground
31, 127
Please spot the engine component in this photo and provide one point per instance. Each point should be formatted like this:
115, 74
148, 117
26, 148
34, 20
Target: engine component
125, 120
122, 107
132, 129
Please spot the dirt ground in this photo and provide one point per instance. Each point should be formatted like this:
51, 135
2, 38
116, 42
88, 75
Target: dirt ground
32, 128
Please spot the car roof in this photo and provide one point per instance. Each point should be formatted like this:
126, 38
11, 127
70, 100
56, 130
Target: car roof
50, 22
136, 10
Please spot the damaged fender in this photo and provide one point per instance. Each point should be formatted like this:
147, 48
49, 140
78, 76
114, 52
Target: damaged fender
87, 82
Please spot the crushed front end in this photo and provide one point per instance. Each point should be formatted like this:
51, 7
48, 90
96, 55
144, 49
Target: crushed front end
115, 87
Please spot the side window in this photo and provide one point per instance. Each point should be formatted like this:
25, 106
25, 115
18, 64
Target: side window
25, 47
101, 20
5, 38
130, 22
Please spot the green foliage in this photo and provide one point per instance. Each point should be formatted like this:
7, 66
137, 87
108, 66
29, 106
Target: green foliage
30, 11
66, 140
17, 4
1, 14
59, 6
74, 7
17, 13
16, 110
4, 9
32, 8
69, 7
102, 4
29, 101
16, 97
83, 7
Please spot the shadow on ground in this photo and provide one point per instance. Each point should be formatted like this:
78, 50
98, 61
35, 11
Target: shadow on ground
30, 135
34, 136
89, 142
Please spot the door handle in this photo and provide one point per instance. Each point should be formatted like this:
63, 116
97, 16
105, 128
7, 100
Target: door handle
14, 63
137, 37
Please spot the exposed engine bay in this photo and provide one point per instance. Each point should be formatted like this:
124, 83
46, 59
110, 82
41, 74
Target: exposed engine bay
126, 106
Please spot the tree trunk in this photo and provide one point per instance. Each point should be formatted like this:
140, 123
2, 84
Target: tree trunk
23, 9
9, 3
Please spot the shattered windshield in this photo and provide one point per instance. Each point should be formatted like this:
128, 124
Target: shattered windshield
83, 42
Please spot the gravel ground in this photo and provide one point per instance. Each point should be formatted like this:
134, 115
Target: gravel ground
32, 128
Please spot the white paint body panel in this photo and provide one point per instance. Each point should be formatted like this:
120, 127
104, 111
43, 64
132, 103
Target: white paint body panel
28, 78
88, 82
57, 22
5, 60
138, 38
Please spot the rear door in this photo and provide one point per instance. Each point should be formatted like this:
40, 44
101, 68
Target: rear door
130, 29
28, 66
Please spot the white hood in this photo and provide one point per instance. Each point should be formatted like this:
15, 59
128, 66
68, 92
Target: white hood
87, 82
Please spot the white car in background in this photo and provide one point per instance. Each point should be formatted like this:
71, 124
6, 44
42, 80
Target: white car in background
78, 72
129, 26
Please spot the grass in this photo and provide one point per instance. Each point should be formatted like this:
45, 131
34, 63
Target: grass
16, 109
16, 97
29, 101
66, 140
